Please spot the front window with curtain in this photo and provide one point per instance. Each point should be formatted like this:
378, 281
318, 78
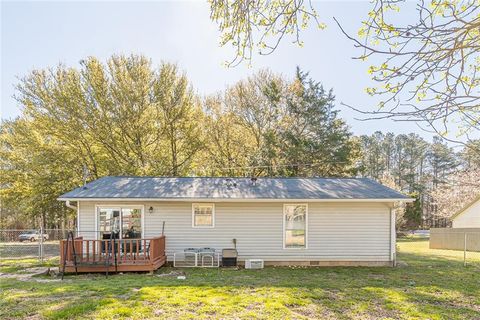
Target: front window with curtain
203, 215
295, 225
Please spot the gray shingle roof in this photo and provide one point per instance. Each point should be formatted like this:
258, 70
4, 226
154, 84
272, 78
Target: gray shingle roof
232, 188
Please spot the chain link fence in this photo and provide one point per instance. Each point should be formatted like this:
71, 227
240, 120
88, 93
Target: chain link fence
31, 243
45, 243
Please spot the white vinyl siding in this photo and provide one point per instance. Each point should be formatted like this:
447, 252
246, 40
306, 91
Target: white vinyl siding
336, 231
87, 220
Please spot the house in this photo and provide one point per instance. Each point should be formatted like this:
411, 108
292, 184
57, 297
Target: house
468, 216
284, 221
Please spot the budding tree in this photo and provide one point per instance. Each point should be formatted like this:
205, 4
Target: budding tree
429, 69
429, 61
261, 24
460, 190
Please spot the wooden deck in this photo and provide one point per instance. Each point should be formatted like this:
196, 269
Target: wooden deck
120, 255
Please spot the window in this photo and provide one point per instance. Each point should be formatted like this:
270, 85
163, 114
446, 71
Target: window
203, 215
295, 225
124, 222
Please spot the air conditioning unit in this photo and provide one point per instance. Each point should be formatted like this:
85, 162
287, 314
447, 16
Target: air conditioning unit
254, 264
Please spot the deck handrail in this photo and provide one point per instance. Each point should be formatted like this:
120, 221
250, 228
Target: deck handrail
123, 251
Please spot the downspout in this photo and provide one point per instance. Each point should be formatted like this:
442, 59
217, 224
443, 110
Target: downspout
393, 236
69, 205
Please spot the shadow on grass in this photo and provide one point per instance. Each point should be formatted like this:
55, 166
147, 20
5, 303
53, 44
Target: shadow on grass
337, 293
429, 286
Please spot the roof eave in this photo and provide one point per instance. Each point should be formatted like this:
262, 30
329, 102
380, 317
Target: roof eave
406, 200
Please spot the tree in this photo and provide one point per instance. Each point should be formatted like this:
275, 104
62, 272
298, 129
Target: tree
248, 24
415, 152
410, 164
34, 170
469, 156
124, 117
118, 118
180, 115
272, 126
313, 133
257, 108
459, 190
429, 70
413, 212
442, 161
230, 146
374, 160
399, 207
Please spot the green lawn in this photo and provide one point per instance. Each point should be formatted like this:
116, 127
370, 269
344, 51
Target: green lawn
430, 284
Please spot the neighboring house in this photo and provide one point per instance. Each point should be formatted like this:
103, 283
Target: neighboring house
309, 221
468, 216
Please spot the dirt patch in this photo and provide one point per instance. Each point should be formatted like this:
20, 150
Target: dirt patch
28, 274
172, 274
334, 294
158, 312
309, 311
376, 276
33, 317
401, 264
253, 306
313, 311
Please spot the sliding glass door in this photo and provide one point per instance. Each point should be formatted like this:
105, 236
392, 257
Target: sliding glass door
108, 222
124, 222
131, 223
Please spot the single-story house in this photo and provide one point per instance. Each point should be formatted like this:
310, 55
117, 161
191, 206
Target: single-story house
306, 221
468, 216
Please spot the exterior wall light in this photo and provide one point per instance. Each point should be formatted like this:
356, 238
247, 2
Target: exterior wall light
150, 210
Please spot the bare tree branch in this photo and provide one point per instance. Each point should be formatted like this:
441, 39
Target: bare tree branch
261, 24
430, 69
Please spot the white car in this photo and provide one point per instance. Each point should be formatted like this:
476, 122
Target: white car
31, 236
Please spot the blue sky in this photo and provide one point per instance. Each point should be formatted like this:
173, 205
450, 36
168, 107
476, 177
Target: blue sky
43, 34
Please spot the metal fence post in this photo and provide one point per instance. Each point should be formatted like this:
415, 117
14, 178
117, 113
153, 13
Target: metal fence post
465, 250
40, 243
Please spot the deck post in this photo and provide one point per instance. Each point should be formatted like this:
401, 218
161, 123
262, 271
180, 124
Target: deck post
62, 249
153, 245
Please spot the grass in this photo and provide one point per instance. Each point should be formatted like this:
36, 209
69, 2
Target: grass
430, 284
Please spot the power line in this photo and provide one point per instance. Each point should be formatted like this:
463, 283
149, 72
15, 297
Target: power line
273, 166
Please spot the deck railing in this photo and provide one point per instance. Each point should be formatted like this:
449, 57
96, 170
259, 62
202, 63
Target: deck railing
147, 251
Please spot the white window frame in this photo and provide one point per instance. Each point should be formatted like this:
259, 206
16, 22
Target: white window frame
118, 207
193, 214
306, 226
